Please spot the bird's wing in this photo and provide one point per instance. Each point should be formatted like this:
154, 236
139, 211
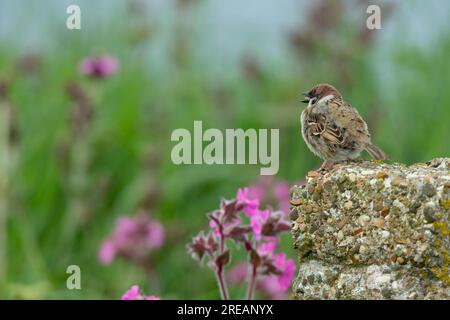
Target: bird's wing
343, 116
338, 123
319, 124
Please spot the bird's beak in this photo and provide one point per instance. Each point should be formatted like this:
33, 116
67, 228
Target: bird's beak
306, 95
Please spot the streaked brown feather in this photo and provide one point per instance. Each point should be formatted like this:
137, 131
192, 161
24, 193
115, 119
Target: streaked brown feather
333, 135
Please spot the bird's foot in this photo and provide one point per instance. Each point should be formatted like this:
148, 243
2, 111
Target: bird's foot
327, 165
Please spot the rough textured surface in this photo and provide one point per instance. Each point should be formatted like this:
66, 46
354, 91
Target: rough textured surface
368, 230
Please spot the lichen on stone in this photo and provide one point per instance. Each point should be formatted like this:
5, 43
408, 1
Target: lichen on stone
373, 230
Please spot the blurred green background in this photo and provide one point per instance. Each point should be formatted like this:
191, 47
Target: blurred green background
231, 64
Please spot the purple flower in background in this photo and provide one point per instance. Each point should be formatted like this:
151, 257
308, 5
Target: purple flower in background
258, 191
271, 287
238, 274
272, 191
99, 67
135, 293
282, 194
125, 228
107, 252
133, 238
155, 234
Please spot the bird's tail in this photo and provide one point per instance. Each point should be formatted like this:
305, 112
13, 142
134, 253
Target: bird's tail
376, 152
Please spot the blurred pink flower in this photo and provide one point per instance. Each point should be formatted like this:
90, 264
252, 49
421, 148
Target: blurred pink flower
107, 252
133, 238
226, 226
238, 274
270, 190
126, 227
282, 194
214, 227
98, 67
155, 234
268, 247
257, 220
276, 285
257, 191
271, 286
251, 203
135, 293
287, 268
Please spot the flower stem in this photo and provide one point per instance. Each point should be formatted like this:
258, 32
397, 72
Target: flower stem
221, 283
219, 269
252, 282
222, 238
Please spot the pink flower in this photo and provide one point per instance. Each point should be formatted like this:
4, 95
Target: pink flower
251, 204
270, 190
155, 234
226, 226
99, 67
133, 238
276, 286
135, 293
125, 228
268, 247
238, 274
271, 286
107, 252
282, 194
287, 268
282, 190
257, 221
256, 191
215, 228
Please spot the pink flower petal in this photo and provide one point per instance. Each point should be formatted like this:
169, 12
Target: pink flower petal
268, 247
156, 235
257, 221
100, 67
287, 268
271, 286
238, 274
107, 252
134, 293
250, 204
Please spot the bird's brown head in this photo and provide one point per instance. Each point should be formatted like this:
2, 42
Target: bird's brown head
319, 91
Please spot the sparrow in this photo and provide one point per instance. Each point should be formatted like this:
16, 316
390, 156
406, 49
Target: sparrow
333, 129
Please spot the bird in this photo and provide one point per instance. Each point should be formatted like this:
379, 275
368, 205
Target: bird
333, 130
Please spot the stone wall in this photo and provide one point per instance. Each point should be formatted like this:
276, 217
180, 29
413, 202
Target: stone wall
368, 230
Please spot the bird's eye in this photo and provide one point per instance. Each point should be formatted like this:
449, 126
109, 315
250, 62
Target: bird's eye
313, 100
